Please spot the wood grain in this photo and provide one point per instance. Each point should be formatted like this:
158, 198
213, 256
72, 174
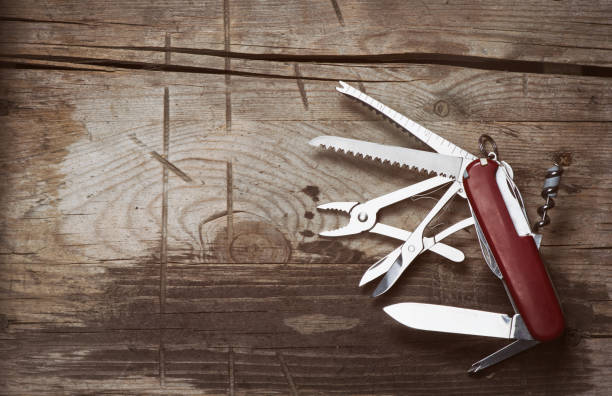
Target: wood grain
159, 224
572, 32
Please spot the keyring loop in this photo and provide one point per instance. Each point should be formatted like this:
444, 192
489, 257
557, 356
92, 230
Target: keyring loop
482, 143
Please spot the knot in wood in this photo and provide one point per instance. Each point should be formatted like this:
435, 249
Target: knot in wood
441, 108
255, 240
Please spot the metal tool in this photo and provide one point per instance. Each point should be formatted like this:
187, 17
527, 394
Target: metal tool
551, 186
509, 246
363, 217
455, 320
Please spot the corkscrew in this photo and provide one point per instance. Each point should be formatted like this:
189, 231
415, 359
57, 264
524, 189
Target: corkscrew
551, 186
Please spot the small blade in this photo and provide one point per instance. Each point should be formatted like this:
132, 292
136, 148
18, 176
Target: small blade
422, 160
506, 352
391, 276
447, 319
380, 267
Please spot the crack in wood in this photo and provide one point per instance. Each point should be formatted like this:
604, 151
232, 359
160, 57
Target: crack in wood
96, 23
170, 166
228, 66
31, 20
162, 362
230, 206
338, 12
466, 61
287, 374
30, 63
164, 236
160, 158
168, 46
230, 369
300, 85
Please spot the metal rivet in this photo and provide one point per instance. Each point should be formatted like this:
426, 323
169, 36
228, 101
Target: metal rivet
411, 248
362, 216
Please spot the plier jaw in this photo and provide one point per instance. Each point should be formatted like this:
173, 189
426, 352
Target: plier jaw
338, 206
361, 220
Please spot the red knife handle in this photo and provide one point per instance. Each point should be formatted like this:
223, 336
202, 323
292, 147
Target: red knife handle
517, 256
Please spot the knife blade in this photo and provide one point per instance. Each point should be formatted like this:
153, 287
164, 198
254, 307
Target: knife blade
442, 318
441, 164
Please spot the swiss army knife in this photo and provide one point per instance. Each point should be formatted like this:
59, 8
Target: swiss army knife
509, 246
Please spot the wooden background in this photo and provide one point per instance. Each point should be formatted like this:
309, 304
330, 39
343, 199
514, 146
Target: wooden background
158, 226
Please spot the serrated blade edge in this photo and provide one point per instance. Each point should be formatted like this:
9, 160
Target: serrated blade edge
434, 141
441, 164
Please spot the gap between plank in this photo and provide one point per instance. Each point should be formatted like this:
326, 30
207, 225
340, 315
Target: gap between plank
164, 237
228, 127
168, 55
228, 67
162, 362
287, 374
466, 61
230, 206
230, 369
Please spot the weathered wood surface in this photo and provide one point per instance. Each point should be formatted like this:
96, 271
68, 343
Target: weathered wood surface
158, 194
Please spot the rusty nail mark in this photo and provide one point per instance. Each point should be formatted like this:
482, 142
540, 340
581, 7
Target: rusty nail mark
563, 158
307, 233
312, 192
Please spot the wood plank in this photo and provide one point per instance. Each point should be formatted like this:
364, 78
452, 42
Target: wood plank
296, 311
513, 30
573, 32
291, 312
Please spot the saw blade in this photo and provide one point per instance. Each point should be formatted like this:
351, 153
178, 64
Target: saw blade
441, 164
434, 141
